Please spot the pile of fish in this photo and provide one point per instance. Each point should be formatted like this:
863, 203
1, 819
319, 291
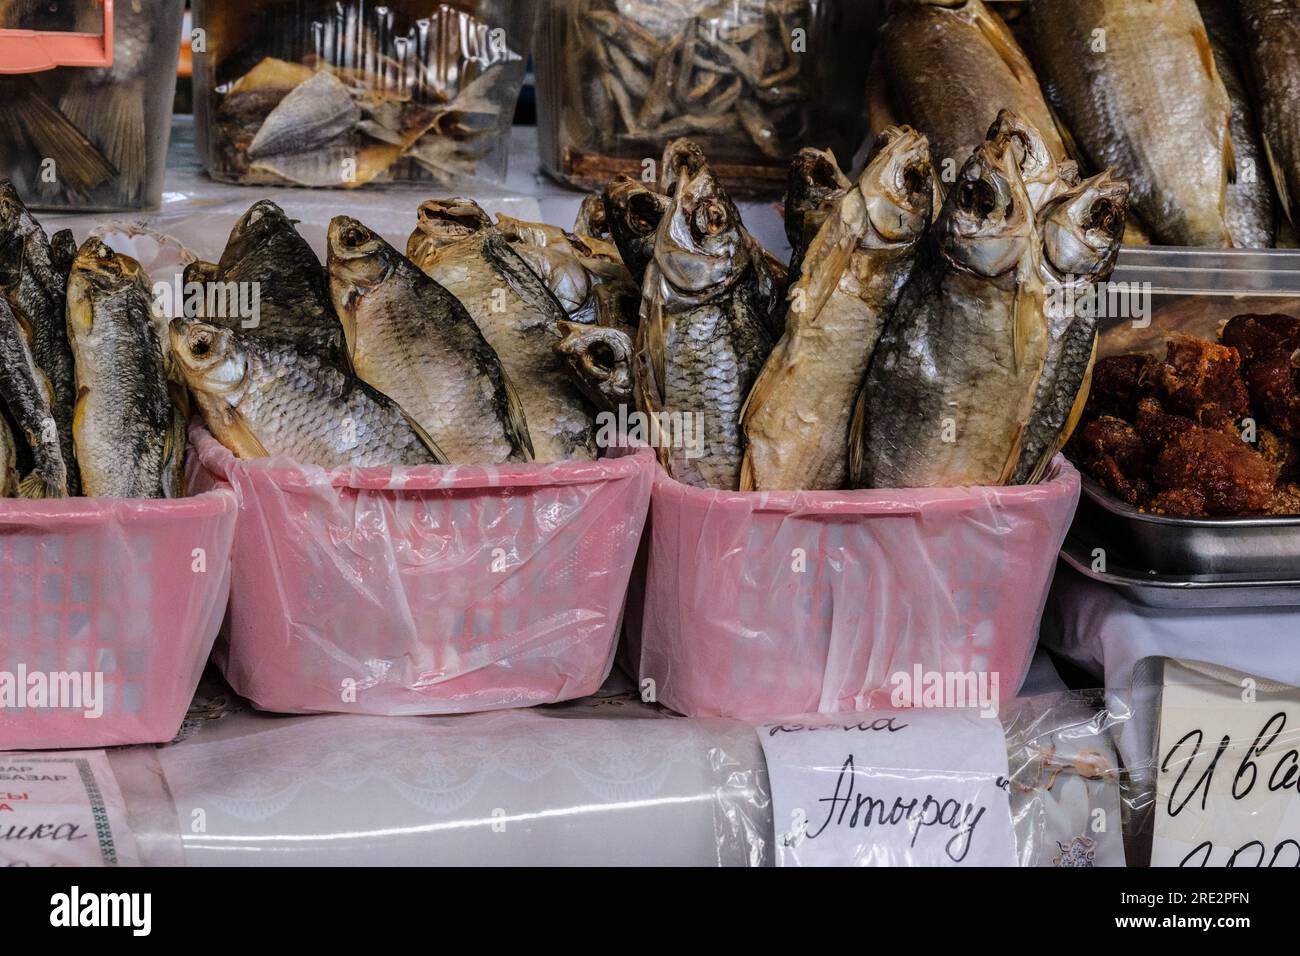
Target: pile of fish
86, 403
1194, 103
371, 103
723, 73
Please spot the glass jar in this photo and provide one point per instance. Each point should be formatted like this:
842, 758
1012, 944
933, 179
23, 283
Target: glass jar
751, 81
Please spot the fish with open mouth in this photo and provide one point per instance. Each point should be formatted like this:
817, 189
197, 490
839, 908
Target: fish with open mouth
456, 245
129, 434
704, 333
952, 385
797, 416
633, 212
284, 280
599, 359
814, 184
1081, 232
1136, 86
413, 340
1044, 176
34, 277
261, 398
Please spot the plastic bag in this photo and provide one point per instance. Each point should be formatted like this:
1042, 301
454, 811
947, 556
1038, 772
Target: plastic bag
426, 590
126, 595
802, 602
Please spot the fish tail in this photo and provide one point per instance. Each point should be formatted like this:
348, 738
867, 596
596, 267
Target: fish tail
37, 487
81, 166
112, 116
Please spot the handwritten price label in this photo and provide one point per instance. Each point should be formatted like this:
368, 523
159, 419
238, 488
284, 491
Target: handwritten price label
904, 788
1228, 765
62, 810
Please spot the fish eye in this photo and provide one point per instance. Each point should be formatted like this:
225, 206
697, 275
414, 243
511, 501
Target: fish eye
978, 197
200, 344
602, 356
1106, 216
103, 253
353, 236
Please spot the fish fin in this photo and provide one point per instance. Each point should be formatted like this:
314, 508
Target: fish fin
831, 251
1013, 458
80, 163
747, 472
1279, 181
1201, 39
439, 456
239, 438
517, 419
857, 440
1003, 41
112, 116
36, 488
1019, 334
173, 475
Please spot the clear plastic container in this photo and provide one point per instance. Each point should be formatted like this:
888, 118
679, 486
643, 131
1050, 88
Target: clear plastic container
87, 88
751, 80
341, 94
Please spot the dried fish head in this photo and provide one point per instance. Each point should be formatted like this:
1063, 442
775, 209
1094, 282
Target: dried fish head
702, 247
208, 357
985, 226
1082, 229
441, 222
634, 212
899, 192
600, 361
99, 271
1044, 177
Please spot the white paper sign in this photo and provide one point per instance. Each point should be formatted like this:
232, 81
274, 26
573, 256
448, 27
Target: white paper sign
1228, 772
892, 788
62, 809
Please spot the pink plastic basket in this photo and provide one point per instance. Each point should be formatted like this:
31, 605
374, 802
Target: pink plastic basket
132, 590
426, 590
952, 579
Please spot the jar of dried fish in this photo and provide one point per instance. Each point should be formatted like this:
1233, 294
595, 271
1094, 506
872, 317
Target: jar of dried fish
750, 80
86, 100
316, 93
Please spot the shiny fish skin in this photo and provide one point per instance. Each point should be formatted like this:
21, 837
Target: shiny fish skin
1081, 232
1152, 107
1272, 30
519, 317
797, 417
294, 302
34, 275
24, 392
412, 340
952, 66
704, 334
130, 442
263, 398
954, 377
1251, 211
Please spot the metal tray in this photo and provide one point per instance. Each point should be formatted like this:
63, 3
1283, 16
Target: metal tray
1258, 546
1186, 592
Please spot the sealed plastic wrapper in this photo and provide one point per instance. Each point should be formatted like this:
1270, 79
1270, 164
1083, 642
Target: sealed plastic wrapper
801, 602
751, 81
108, 610
344, 94
440, 589
86, 91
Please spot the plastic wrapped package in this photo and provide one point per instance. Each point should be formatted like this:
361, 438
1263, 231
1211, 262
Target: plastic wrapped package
603, 781
802, 602
751, 81
441, 589
344, 94
125, 597
86, 91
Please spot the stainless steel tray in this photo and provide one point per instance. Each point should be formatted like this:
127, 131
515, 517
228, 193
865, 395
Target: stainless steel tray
1186, 592
1182, 546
